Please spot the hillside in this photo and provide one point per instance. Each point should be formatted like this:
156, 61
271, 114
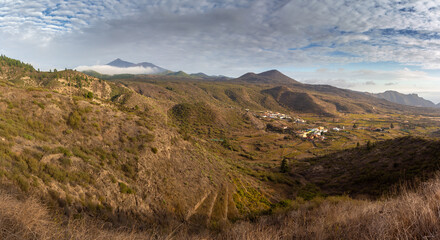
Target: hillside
87, 153
371, 170
405, 99
155, 154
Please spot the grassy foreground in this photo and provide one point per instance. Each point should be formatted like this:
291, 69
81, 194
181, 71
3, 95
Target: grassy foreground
413, 214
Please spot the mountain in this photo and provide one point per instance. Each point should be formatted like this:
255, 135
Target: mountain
200, 75
124, 64
121, 63
179, 74
270, 77
405, 99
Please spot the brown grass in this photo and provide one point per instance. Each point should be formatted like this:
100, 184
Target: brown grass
29, 219
414, 214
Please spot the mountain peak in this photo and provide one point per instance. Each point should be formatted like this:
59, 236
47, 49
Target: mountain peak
120, 63
124, 64
271, 73
271, 76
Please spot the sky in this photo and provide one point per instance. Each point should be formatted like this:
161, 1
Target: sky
373, 45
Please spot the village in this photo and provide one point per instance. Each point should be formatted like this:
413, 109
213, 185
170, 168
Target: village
276, 115
314, 133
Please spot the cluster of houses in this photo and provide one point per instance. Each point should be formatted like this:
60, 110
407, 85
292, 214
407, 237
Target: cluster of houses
277, 115
273, 115
314, 133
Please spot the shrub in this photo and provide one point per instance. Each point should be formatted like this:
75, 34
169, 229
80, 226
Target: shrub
74, 119
22, 183
88, 95
154, 150
125, 189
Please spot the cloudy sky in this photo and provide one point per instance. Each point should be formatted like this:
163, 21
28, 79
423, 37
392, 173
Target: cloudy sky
370, 45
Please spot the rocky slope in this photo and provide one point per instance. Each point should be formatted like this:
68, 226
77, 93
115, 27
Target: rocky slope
405, 99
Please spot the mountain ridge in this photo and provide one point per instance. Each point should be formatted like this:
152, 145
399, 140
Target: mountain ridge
405, 99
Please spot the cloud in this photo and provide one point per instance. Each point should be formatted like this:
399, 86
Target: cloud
111, 70
371, 83
223, 37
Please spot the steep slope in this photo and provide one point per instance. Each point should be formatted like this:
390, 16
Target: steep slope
405, 99
297, 101
105, 159
374, 168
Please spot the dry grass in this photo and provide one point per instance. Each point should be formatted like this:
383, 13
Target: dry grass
29, 219
414, 214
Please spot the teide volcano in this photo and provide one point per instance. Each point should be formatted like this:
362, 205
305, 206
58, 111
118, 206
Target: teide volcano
124, 64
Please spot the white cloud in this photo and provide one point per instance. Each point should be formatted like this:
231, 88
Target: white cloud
228, 37
111, 70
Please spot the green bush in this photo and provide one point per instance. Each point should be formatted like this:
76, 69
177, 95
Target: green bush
154, 150
125, 189
56, 172
88, 95
74, 119
22, 182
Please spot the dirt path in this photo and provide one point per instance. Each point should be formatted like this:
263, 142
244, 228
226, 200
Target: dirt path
211, 207
192, 211
225, 202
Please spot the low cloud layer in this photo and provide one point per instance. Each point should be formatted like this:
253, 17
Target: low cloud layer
111, 70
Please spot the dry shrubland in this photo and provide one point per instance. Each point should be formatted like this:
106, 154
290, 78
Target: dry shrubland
413, 214
30, 219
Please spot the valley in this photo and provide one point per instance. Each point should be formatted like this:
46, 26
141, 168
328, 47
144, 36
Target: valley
158, 153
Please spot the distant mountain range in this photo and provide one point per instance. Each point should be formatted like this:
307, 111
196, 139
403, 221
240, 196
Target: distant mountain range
405, 99
268, 77
154, 71
124, 64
